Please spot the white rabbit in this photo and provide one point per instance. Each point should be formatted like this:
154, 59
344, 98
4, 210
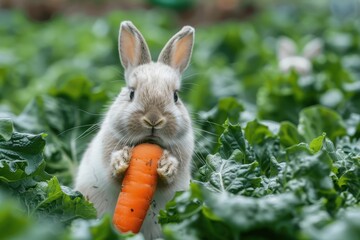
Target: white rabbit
288, 58
148, 109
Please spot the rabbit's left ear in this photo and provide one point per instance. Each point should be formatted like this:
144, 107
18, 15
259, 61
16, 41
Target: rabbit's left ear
177, 52
133, 49
313, 48
286, 47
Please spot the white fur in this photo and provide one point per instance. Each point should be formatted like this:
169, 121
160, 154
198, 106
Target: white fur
94, 180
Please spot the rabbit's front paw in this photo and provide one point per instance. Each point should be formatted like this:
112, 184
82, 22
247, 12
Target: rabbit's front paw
120, 160
167, 167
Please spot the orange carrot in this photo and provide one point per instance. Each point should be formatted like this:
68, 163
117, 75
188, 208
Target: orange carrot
138, 187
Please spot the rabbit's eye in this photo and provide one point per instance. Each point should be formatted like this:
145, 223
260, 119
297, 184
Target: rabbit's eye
132, 92
176, 97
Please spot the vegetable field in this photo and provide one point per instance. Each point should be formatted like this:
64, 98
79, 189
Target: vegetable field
277, 154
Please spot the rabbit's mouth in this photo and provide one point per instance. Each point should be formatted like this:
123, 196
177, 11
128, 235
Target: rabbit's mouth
152, 139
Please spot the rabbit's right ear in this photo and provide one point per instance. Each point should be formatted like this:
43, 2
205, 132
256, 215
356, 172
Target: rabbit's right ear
133, 49
177, 51
313, 48
285, 48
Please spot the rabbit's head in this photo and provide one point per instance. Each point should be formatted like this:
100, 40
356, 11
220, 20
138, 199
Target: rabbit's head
301, 63
148, 108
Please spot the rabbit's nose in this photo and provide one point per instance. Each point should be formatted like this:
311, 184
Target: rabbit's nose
153, 121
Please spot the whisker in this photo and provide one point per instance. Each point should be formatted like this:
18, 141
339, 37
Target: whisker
204, 131
90, 113
187, 76
77, 127
88, 131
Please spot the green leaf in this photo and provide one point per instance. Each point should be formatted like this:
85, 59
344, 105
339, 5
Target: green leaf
69, 131
17, 225
227, 109
232, 139
186, 217
99, 229
317, 143
347, 226
13, 222
315, 168
265, 146
74, 87
6, 128
266, 154
288, 134
221, 175
280, 97
183, 230
254, 216
21, 157
346, 165
182, 206
50, 200
256, 132
315, 120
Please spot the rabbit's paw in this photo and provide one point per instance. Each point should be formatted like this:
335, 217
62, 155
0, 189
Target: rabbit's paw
167, 167
120, 160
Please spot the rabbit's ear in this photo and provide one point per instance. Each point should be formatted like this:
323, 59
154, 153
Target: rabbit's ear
285, 48
133, 49
313, 48
177, 51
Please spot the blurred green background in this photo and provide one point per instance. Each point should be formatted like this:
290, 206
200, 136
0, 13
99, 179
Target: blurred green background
64, 53
59, 69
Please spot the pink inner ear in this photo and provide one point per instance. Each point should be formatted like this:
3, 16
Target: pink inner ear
181, 52
128, 48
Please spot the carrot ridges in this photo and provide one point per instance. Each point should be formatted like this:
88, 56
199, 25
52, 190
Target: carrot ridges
138, 188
